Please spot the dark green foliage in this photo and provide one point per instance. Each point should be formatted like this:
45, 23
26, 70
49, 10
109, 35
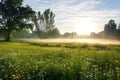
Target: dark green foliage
111, 30
14, 16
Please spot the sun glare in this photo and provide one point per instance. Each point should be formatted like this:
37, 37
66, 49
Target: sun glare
85, 27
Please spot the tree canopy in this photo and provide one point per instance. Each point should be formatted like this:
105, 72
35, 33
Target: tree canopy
45, 24
111, 30
14, 16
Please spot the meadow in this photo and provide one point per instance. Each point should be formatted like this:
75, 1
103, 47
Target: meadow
23, 60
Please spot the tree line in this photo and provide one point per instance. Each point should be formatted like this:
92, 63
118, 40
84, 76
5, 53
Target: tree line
15, 18
111, 31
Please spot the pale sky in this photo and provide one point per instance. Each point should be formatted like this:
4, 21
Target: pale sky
78, 15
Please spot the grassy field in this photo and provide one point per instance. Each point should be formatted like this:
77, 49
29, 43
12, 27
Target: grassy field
58, 61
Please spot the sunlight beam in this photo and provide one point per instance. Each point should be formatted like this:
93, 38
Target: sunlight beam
85, 27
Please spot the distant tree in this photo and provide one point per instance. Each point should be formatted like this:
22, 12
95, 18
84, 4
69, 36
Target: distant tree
106, 29
14, 17
118, 32
21, 34
119, 27
110, 28
49, 20
66, 35
70, 35
53, 33
93, 34
112, 25
44, 23
73, 34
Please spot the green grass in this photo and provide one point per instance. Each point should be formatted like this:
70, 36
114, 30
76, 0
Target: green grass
23, 60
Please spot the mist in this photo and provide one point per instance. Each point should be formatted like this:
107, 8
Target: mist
90, 41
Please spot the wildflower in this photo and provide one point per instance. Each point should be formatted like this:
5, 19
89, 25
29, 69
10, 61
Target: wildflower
110, 65
16, 76
117, 61
28, 64
104, 70
106, 64
117, 69
13, 75
94, 66
68, 68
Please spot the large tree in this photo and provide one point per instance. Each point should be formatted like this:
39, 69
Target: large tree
14, 16
44, 23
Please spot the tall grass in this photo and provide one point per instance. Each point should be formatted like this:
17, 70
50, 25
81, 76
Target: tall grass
59, 61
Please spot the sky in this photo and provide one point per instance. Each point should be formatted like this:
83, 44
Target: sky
81, 16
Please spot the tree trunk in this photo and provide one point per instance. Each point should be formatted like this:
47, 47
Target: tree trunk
7, 38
